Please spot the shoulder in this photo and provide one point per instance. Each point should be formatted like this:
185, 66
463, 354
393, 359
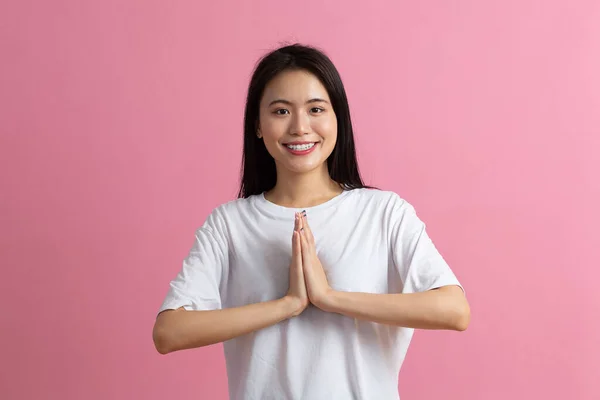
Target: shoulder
223, 215
234, 207
385, 200
388, 208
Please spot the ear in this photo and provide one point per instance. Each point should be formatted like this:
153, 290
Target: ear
257, 127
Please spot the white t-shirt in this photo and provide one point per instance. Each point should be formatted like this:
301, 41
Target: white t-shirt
368, 240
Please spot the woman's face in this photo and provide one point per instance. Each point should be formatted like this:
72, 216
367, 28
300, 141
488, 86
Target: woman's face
297, 122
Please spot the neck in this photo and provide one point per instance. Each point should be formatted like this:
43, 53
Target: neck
303, 190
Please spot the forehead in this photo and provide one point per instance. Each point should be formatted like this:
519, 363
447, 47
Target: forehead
295, 85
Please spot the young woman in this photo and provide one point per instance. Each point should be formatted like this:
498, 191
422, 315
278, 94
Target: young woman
314, 281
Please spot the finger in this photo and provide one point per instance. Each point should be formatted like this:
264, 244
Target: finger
304, 245
303, 249
296, 253
296, 222
300, 274
295, 233
306, 226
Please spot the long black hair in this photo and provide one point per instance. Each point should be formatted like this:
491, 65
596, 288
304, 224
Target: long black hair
258, 172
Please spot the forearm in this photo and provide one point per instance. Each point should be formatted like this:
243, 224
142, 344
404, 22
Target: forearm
180, 329
444, 308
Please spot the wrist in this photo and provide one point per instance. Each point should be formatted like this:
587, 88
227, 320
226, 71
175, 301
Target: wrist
292, 305
328, 300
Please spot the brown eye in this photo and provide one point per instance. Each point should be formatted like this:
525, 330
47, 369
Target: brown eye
316, 110
281, 111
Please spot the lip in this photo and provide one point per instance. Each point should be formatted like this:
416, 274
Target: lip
301, 152
298, 143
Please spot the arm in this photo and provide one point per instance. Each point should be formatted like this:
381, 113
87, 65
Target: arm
442, 308
181, 329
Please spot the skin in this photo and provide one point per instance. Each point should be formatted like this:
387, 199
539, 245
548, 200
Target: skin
290, 112
296, 107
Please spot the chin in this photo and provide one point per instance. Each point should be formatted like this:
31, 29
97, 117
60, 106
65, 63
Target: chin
301, 167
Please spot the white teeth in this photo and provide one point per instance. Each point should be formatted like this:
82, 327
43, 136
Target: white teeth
300, 147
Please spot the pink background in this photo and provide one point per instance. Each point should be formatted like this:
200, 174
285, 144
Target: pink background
121, 130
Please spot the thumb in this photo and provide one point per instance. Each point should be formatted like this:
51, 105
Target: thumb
296, 251
304, 253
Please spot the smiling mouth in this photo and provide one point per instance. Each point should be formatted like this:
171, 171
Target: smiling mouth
300, 147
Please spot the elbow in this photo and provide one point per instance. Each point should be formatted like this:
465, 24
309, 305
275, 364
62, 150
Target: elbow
456, 310
161, 339
463, 323
462, 317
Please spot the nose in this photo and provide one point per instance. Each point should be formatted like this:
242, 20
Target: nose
300, 124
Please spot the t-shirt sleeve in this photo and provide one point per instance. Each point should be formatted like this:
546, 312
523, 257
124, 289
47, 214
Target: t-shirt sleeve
418, 262
196, 286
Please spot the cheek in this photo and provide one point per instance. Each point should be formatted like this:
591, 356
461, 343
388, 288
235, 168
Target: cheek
326, 127
272, 128
272, 132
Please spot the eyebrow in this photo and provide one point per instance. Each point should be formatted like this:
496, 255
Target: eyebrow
314, 100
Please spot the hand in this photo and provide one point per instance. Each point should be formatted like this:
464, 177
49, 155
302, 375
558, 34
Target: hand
297, 290
316, 281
